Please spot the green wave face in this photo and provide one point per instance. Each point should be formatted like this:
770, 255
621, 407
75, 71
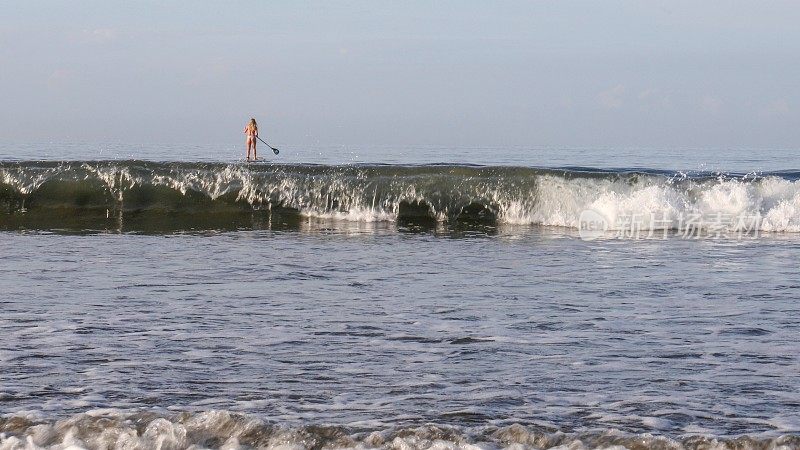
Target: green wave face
195, 196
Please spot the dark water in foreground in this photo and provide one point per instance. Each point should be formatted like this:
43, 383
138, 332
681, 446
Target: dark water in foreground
219, 305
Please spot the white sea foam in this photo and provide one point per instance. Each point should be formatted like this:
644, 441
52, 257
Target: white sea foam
770, 204
225, 430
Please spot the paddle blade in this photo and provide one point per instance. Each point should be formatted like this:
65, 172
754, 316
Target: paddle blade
275, 150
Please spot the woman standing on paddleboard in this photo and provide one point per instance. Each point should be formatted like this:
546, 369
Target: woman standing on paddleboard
251, 131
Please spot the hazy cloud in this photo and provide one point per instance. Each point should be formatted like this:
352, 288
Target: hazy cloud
652, 98
99, 35
777, 107
60, 77
710, 104
611, 98
208, 74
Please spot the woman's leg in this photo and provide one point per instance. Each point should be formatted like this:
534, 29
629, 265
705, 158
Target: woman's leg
255, 153
247, 143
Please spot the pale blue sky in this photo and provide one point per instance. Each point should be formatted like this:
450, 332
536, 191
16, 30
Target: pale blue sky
531, 73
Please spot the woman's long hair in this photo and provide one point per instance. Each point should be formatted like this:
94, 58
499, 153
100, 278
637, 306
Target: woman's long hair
253, 125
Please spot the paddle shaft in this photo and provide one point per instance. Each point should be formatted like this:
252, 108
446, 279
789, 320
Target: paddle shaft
274, 150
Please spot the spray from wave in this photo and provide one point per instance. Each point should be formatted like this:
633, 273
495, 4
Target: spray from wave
56, 191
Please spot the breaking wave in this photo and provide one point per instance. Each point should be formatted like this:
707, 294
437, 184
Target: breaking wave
102, 429
54, 192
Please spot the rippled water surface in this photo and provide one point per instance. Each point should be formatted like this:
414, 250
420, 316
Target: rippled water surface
705, 159
372, 327
381, 333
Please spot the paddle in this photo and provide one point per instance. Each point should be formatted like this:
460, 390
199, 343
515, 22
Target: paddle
274, 150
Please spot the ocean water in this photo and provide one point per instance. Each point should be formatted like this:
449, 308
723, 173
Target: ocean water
162, 296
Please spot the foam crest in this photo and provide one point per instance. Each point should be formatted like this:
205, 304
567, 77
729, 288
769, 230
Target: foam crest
226, 430
767, 204
27, 181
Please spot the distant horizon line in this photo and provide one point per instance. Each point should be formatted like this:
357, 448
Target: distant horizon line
418, 144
